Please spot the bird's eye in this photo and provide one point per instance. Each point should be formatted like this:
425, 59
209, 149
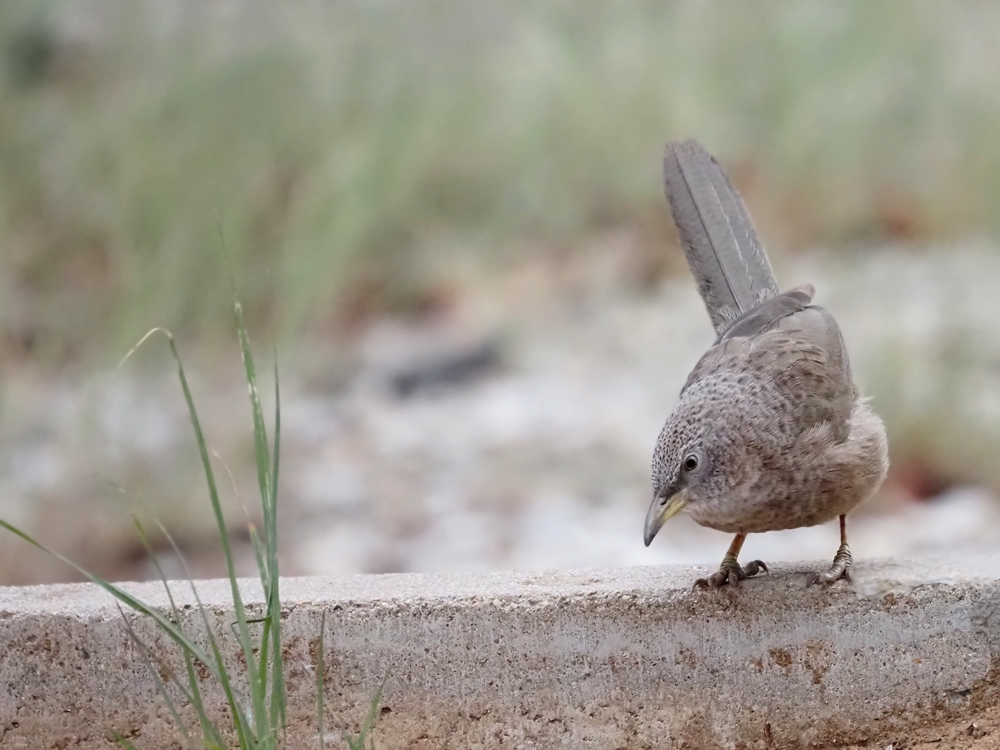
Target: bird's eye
691, 462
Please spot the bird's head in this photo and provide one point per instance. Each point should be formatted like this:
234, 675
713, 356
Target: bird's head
689, 462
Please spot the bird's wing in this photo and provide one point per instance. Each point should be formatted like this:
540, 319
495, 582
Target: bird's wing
719, 240
818, 326
805, 358
768, 314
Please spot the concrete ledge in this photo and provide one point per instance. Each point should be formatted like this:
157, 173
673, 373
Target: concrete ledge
582, 659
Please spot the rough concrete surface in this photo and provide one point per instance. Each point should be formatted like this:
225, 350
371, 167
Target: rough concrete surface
629, 658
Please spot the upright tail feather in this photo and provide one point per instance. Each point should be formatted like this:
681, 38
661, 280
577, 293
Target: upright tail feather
722, 248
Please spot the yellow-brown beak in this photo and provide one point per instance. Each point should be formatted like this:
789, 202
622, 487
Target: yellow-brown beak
661, 509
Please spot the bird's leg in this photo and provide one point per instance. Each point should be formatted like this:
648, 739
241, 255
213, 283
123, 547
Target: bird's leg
842, 561
730, 571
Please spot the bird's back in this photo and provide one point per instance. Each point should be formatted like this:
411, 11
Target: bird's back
781, 372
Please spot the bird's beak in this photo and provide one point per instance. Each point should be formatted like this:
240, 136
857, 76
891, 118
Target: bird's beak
661, 509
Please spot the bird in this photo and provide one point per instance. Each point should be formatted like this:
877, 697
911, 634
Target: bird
769, 432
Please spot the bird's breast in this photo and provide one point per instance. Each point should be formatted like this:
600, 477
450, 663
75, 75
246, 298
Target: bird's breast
809, 482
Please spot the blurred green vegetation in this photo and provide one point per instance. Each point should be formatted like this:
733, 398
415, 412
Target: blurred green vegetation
349, 152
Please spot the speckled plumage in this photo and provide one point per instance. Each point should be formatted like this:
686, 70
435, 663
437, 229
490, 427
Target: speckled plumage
770, 431
785, 441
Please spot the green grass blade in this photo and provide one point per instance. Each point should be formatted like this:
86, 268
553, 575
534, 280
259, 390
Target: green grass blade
219, 670
278, 694
261, 452
260, 554
241, 724
321, 679
161, 687
238, 606
124, 597
194, 697
240, 721
358, 743
216, 666
259, 671
270, 671
209, 731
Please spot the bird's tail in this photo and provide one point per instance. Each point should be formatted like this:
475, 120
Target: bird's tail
722, 248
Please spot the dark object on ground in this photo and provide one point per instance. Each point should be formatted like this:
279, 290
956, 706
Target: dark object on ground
448, 368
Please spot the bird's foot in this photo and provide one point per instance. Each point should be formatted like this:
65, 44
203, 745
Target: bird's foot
731, 572
841, 568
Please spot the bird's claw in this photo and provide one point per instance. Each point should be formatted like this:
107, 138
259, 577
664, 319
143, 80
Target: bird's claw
731, 572
841, 568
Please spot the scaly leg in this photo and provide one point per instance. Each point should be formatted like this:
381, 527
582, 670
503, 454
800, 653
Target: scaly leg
730, 571
842, 561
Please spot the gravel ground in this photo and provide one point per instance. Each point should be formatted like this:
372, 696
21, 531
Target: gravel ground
536, 455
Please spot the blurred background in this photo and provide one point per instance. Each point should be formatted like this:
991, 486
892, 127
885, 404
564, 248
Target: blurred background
446, 224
